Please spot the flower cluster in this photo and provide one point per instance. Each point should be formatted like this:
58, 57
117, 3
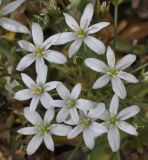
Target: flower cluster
88, 117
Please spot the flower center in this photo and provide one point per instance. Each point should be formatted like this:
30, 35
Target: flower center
112, 72
81, 33
38, 90
39, 52
44, 128
112, 120
86, 122
70, 103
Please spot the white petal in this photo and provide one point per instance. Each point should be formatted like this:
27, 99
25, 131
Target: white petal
55, 57
97, 111
34, 103
128, 128
125, 62
32, 116
37, 34
27, 80
25, 62
62, 115
22, 95
34, 144
96, 65
45, 100
76, 91
89, 138
97, 27
51, 85
87, 16
105, 116
11, 7
71, 22
60, 129
63, 91
110, 57
49, 142
98, 129
26, 45
12, 25
75, 132
113, 108
94, 44
49, 115
118, 87
84, 104
28, 131
42, 74
75, 46
58, 103
101, 82
74, 115
128, 112
39, 63
114, 139
128, 77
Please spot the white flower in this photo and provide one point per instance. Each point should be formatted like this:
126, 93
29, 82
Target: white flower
42, 130
37, 91
39, 51
70, 103
8, 23
90, 128
116, 120
113, 72
82, 32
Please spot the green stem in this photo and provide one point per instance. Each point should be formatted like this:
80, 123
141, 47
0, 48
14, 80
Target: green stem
115, 24
75, 150
141, 67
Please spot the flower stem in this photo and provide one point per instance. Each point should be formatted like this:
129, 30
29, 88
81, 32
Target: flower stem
115, 24
141, 67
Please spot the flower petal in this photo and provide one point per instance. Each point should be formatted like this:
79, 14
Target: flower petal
45, 100
55, 57
28, 131
37, 34
128, 128
97, 27
26, 45
51, 85
76, 91
110, 57
128, 77
89, 138
62, 115
34, 103
60, 129
49, 115
71, 22
75, 132
39, 63
11, 7
42, 74
27, 80
63, 91
34, 144
96, 65
87, 16
101, 82
32, 116
128, 112
94, 44
105, 116
58, 103
125, 62
84, 104
113, 108
22, 95
74, 115
118, 87
25, 62
114, 139
49, 142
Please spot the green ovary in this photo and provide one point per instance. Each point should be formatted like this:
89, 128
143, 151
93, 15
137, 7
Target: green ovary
86, 122
112, 72
38, 90
70, 103
39, 52
44, 128
112, 120
81, 33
